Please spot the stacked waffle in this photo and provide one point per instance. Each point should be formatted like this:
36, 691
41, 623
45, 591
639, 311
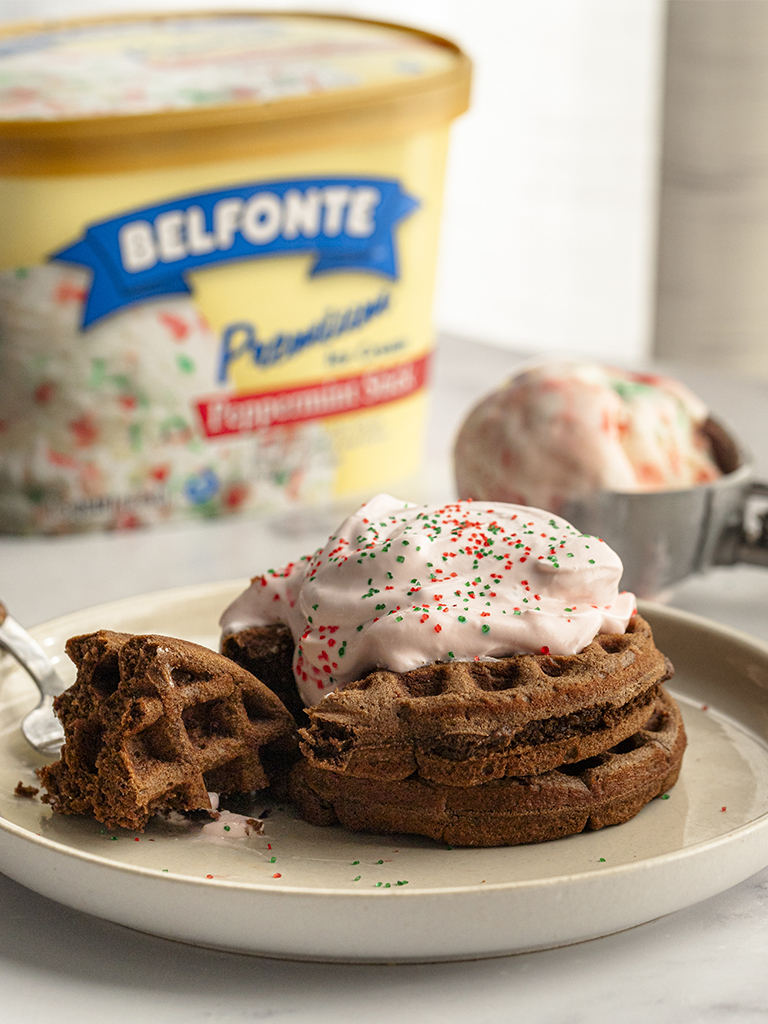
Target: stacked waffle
490, 753
469, 672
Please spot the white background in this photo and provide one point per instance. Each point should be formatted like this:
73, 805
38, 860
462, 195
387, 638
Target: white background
549, 232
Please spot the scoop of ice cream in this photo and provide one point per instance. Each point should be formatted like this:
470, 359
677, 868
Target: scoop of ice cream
401, 585
559, 431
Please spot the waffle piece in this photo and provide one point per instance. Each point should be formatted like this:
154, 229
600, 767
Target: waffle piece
466, 723
153, 723
267, 652
607, 789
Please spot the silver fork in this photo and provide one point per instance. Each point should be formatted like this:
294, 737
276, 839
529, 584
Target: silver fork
40, 727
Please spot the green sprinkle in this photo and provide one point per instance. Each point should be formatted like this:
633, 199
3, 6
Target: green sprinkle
462, 618
272, 860
134, 433
357, 879
185, 364
226, 828
354, 862
602, 860
665, 796
98, 373
379, 861
166, 870
401, 558
378, 885
486, 628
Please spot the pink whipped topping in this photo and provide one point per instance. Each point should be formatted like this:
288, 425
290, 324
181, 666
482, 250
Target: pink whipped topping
558, 431
402, 585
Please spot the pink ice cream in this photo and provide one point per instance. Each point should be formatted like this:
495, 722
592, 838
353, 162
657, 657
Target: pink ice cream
559, 431
400, 585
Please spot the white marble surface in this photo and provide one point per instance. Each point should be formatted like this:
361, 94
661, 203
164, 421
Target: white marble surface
699, 965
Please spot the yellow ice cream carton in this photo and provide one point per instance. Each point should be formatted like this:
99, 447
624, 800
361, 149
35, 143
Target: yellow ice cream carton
216, 277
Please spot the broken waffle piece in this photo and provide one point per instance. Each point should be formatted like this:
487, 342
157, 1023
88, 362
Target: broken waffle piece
607, 789
154, 723
25, 792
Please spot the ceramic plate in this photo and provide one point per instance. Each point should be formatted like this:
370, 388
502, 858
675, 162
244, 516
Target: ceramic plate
327, 894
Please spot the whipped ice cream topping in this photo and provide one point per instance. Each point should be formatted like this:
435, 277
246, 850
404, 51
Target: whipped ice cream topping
561, 430
402, 585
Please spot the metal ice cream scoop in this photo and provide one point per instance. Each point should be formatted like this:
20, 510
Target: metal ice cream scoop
663, 537
40, 727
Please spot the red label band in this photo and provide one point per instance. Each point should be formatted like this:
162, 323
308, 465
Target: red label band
223, 415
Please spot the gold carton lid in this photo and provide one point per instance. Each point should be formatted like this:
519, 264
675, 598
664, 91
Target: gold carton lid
123, 93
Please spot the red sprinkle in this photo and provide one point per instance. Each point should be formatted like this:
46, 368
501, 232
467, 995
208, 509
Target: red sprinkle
177, 327
277, 875
545, 650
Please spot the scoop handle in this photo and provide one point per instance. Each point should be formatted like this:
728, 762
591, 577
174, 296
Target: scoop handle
744, 543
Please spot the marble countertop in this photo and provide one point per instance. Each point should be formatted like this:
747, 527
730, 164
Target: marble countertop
702, 964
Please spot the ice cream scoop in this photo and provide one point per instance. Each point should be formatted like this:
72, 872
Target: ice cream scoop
633, 458
401, 585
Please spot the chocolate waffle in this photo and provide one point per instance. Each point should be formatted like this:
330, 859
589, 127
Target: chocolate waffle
467, 723
153, 723
267, 652
606, 789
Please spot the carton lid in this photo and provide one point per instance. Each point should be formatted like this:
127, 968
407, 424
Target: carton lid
154, 90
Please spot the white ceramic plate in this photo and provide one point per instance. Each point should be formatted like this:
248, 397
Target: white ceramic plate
327, 894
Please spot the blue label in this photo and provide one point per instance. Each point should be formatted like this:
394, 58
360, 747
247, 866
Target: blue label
348, 223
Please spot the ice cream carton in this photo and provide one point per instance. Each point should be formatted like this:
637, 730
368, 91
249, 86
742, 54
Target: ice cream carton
219, 242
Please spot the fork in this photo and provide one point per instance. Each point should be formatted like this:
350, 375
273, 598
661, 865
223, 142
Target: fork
40, 727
